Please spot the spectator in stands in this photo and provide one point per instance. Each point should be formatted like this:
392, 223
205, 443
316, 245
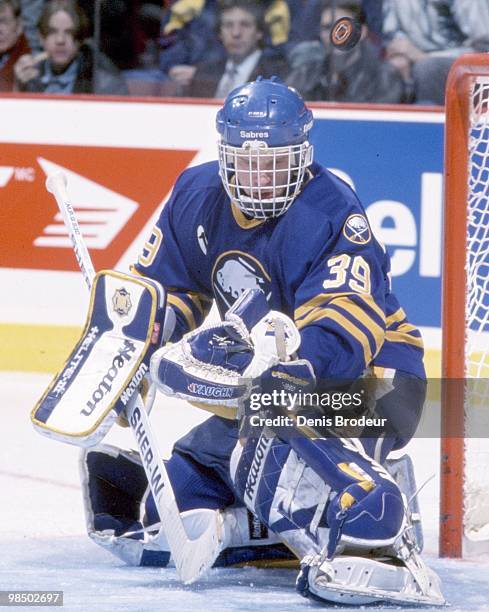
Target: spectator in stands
12, 42
189, 35
321, 72
424, 37
241, 31
67, 64
119, 26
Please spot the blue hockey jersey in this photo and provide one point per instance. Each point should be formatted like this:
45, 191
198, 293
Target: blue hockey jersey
318, 263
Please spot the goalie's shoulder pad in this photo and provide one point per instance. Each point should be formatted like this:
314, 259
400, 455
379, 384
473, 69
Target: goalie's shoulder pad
123, 328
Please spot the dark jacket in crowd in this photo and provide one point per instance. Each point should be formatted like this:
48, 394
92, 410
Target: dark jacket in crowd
366, 79
109, 81
7, 62
209, 73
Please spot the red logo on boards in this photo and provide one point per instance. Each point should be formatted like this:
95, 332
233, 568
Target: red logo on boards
113, 190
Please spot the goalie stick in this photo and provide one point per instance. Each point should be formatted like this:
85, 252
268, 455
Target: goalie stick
192, 557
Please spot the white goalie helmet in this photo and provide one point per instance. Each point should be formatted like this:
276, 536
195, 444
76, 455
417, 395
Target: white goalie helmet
263, 147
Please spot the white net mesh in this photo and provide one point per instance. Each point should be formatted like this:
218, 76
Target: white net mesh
476, 511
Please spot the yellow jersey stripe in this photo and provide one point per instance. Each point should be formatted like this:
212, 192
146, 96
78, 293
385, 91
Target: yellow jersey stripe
396, 317
342, 321
358, 313
242, 220
395, 336
371, 303
135, 271
316, 301
197, 300
406, 328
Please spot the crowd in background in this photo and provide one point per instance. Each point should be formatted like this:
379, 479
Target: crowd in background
205, 48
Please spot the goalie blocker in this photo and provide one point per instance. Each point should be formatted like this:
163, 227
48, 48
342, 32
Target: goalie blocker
123, 328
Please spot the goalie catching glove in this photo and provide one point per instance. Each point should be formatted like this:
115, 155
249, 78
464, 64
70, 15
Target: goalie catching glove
215, 365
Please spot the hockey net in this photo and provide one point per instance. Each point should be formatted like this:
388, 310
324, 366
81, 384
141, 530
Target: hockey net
464, 527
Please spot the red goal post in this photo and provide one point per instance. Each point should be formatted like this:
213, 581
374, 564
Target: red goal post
464, 505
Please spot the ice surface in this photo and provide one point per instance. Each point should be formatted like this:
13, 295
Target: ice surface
43, 545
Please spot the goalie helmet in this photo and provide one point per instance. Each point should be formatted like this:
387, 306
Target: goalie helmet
263, 146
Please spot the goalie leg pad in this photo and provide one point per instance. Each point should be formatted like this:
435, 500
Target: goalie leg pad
117, 506
402, 470
359, 483
123, 328
352, 501
113, 484
283, 492
116, 486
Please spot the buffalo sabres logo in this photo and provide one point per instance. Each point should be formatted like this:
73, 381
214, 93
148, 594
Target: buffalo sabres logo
356, 229
121, 301
233, 273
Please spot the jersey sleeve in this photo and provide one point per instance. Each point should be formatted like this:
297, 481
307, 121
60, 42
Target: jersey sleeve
340, 305
169, 257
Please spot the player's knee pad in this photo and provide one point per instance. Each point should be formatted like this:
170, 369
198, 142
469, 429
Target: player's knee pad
368, 506
120, 512
365, 514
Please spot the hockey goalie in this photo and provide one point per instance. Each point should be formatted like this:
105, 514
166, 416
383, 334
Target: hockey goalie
284, 249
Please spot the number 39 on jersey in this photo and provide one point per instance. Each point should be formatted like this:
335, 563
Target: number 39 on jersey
349, 272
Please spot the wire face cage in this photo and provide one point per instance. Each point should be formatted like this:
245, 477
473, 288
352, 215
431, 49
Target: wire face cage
263, 181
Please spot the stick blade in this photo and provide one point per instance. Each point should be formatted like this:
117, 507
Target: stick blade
195, 557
